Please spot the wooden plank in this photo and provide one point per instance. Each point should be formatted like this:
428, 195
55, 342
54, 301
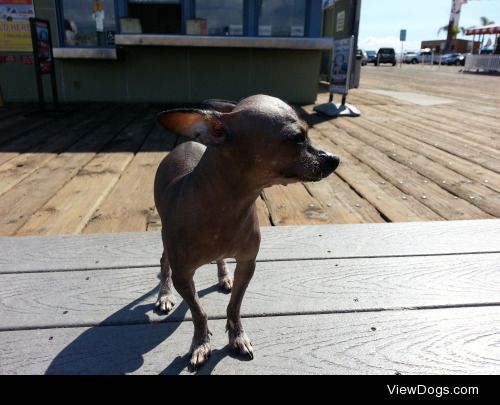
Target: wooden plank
27, 196
33, 139
127, 207
464, 167
262, 212
293, 205
442, 341
154, 222
98, 251
11, 121
480, 154
404, 168
453, 122
476, 194
103, 297
16, 130
11, 111
343, 204
465, 133
72, 206
62, 137
386, 198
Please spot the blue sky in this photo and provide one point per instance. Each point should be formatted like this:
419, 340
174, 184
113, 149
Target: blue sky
381, 20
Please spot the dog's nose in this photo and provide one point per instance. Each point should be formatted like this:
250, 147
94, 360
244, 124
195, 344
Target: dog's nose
332, 161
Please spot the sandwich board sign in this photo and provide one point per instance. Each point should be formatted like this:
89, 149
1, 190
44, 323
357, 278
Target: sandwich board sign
43, 58
342, 24
341, 65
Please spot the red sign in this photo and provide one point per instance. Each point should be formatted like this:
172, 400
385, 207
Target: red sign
7, 59
17, 2
27, 60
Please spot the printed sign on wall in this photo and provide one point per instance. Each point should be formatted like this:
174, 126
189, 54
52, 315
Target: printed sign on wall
14, 25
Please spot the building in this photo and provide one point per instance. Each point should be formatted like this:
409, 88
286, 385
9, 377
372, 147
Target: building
457, 45
171, 50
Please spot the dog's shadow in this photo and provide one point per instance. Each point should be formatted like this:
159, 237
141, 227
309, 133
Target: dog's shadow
111, 349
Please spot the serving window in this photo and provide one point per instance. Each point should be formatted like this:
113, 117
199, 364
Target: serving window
281, 18
153, 17
88, 23
221, 17
93, 23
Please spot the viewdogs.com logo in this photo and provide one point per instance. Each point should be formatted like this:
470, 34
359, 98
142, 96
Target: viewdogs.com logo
437, 392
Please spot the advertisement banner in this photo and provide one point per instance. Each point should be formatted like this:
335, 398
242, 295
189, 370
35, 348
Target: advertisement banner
341, 65
14, 25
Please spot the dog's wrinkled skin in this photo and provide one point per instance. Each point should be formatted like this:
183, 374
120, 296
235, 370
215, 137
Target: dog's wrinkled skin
205, 196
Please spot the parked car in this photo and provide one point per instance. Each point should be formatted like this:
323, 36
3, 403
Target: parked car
411, 57
362, 54
386, 55
453, 59
372, 56
427, 57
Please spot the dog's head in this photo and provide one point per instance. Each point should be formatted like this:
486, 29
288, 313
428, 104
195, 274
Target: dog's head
261, 132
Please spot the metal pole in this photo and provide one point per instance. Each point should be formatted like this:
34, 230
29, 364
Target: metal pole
401, 56
55, 99
38, 73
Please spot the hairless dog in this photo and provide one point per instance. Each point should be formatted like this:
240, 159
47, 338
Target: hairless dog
205, 193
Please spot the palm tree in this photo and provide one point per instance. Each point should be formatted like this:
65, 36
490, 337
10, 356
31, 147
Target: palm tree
451, 34
455, 30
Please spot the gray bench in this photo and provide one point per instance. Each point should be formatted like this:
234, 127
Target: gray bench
351, 299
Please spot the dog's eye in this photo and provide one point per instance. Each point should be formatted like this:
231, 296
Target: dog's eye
299, 138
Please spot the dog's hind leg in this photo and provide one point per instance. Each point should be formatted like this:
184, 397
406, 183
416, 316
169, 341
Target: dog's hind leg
225, 278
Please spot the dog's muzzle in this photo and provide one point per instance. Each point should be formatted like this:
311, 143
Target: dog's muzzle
329, 163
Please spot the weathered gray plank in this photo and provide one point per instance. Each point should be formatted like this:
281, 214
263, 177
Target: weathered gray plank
83, 298
279, 243
444, 341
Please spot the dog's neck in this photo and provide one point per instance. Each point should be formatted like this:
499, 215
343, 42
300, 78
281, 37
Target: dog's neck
221, 175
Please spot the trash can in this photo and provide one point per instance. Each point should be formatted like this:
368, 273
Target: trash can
356, 74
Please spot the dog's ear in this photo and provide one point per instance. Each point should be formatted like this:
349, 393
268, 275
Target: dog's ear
223, 106
206, 127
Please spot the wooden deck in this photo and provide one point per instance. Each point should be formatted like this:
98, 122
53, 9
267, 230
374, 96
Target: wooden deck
406, 298
427, 147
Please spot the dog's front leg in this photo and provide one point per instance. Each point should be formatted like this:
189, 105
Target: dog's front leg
238, 340
200, 346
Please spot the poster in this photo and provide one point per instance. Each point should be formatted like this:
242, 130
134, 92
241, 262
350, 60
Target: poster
43, 47
14, 25
340, 21
341, 65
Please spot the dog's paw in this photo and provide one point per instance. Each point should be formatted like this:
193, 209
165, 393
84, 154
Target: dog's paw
240, 343
199, 354
226, 282
164, 303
